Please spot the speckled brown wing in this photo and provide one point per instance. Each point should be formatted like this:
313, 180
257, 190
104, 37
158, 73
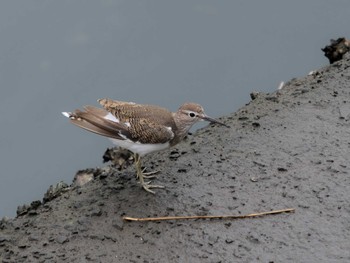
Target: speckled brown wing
131, 112
147, 123
145, 131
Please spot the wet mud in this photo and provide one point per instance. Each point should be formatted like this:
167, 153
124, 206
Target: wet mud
286, 149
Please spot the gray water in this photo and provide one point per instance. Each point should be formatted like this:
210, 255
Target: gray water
60, 55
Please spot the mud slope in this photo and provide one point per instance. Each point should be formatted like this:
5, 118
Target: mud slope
288, 149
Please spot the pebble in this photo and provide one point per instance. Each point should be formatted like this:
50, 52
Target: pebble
61, 239
118, 224
229, 241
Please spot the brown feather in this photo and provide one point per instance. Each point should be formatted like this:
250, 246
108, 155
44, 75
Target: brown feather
127, 111
143, 129
93, 120
92, 128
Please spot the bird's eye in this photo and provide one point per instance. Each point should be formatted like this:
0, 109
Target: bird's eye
192, 114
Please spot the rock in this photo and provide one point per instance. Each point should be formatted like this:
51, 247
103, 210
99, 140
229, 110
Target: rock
4, 238
61, 239
22, 209
33, 237
118, 224
229, 241
254, 95
336, 50
82, 177
174, 154
95, 212
120, 158
55, 191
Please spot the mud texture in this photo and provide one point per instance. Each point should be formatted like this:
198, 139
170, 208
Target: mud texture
287, 149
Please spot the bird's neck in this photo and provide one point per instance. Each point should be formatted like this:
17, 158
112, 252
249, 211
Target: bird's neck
181, 129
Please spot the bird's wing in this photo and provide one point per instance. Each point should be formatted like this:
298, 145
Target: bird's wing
94, 119
136, 129
127, 111
146, 123
145, 131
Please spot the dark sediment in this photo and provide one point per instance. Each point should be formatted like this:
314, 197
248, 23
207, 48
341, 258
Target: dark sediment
287, 149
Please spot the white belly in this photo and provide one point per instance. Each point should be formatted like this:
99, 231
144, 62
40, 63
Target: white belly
141, 149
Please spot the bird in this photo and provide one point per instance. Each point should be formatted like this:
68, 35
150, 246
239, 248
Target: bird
140, 128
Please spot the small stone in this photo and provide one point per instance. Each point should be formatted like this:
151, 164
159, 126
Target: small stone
61, 239
22, 209
120, 158
48, 256
98, 237
33, 238
4, 238
22, 245
36, 254
55, 191
229, 241
212, 240
96, 212
272, 98
118, 224
83, 177
254, 95
174, 155
83, 220
4, 221
35, 204
111, 238
32, 213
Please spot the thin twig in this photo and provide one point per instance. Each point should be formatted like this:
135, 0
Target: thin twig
288, 210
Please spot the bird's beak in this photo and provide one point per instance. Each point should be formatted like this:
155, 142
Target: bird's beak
211, 120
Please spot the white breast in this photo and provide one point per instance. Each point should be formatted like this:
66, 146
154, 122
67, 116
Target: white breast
141, 149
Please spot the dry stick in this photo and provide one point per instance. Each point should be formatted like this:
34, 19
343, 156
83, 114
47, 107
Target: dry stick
127, 218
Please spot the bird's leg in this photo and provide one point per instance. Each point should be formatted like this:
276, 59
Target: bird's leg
148, 175
140, 175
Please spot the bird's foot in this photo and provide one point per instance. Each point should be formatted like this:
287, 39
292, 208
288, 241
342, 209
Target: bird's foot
147, 186
141, 176
149, 175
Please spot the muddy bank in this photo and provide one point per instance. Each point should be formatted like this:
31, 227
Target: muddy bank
287, 149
